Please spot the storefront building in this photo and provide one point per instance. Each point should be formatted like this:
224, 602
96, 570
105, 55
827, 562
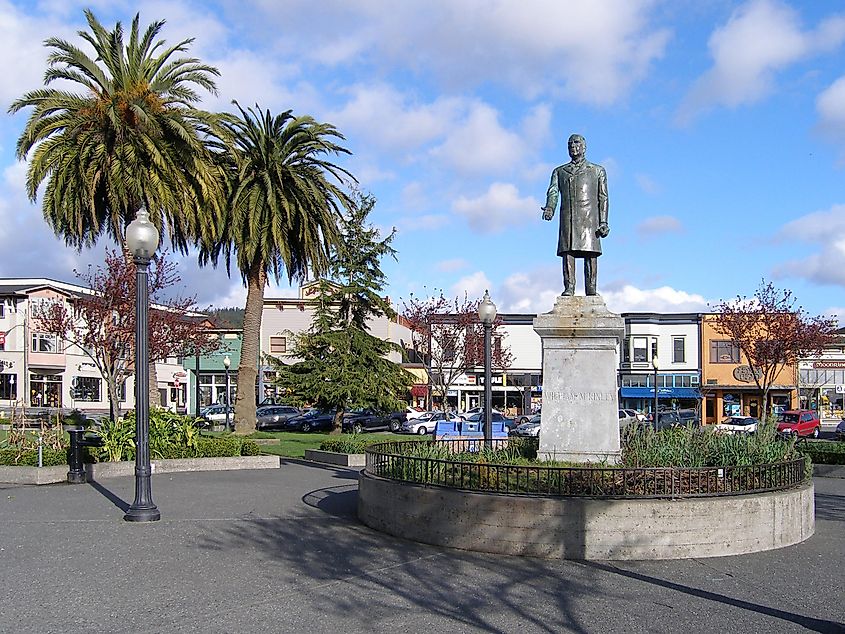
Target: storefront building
38, 370
728, 383
660, 351
822, 380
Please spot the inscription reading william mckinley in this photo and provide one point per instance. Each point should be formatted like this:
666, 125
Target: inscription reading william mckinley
579, 396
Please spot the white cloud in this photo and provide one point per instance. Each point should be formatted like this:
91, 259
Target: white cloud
760, 38
825, 259
658, 225
582, 50
424, 222
830, 104
449, 266
393, 120
647, 184
499, 207
479, 143
473, 285
664, 299
535, 291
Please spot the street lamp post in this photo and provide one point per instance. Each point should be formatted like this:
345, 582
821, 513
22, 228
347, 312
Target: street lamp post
142, 242
654, 365
487, 313
226, 363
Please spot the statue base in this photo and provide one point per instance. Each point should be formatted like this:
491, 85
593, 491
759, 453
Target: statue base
580, 416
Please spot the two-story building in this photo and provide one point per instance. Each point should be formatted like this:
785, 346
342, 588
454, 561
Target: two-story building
39, 370
728, 386
660, 350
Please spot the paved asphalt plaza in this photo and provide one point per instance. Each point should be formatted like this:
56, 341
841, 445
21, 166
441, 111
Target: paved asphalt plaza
281, 551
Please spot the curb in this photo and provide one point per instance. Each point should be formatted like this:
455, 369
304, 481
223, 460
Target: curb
337, 459
99, 470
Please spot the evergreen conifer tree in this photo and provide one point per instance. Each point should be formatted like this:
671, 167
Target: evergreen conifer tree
343, 365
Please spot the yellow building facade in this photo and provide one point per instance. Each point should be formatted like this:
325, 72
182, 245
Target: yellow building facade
728, 387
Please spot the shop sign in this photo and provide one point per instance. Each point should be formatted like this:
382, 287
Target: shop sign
2, 338
829, 365
746, 373
840, 389
496, 379
6, 365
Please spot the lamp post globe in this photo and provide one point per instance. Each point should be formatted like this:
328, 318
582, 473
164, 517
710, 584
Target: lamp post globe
142, 241
142, 237
487, 314
227, 362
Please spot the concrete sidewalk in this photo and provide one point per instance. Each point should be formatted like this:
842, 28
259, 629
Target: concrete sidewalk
281, 551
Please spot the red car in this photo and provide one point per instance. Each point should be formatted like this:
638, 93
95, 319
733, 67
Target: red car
799, 422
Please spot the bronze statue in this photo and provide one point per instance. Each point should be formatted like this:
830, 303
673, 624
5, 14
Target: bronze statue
583, 214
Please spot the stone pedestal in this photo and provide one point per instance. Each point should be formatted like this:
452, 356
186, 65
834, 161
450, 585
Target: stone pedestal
581, 342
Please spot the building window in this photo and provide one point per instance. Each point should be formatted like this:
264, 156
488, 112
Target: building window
41, 305
640, 350
278, 345
42, 342
635, 380
2, 309
724, 352
213, 388
678, 350
86, 388
8, 386
626, 351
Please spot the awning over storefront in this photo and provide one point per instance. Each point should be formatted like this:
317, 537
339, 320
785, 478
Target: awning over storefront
662, 392
419, 390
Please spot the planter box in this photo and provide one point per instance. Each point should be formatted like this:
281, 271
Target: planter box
340, 459
100, 470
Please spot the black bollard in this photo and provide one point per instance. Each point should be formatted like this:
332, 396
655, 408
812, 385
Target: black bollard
76, 474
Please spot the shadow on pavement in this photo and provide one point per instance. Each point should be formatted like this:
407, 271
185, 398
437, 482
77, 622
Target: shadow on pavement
830, 507
111, 497
812, 624
354, 573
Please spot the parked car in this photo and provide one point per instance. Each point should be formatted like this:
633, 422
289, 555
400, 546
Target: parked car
530, 428
525, 418
361, 420
496, 417
799, 422
274, 417
413, 412
839, 432
667, 420
425, 424
688, 417
626, 417
217, 413
311, 420
472, 412
738, 425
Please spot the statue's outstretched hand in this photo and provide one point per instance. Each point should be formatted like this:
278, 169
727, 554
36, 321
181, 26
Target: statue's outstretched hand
548, 213
603, 230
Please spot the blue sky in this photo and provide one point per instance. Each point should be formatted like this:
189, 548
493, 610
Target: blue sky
721, 126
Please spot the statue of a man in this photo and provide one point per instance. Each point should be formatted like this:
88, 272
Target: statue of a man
582, 187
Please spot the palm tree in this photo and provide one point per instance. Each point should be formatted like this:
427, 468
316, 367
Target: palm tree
285, 204
130, 138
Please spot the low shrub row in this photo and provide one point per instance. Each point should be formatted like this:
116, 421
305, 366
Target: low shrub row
349, 443
824, 452
205, 448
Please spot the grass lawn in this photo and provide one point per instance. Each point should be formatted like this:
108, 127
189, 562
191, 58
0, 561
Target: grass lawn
293, 444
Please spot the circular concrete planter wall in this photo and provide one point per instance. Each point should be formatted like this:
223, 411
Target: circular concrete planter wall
587, 528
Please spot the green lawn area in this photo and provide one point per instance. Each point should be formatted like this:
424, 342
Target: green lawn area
293, 444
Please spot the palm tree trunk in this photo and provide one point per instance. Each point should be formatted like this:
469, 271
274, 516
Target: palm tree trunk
256, 280
155, 395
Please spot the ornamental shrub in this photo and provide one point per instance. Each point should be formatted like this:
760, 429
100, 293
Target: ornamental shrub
29, 457
824, 452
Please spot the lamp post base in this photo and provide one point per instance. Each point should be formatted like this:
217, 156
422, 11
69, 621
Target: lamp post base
142, 514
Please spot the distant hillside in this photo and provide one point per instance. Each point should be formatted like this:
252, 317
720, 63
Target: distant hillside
227, 317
